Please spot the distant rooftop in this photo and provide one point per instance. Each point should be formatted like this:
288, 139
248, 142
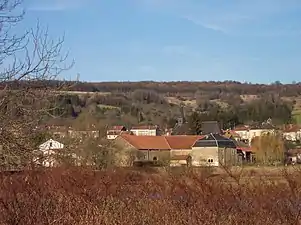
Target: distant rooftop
211, 127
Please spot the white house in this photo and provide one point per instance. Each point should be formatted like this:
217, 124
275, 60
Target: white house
248, 133
115, 131
48, 149
256, 132
292, 133
243, 132
145, 130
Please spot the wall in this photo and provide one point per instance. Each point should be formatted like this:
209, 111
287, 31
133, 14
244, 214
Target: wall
244, 134
292, 136
180, 152
161, 155
258, 132
112, 136
220, 156
144, 132
201, 155
228, 156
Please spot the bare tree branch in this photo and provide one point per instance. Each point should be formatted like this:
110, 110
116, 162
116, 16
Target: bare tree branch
31, 57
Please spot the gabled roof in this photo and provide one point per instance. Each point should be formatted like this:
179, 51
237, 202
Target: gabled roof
292, 129
241, 128
161, 142
51, 144
147, 142
215, 140
119, 128
211, 127
182, 141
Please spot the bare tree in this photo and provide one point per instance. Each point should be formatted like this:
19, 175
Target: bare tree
26, 61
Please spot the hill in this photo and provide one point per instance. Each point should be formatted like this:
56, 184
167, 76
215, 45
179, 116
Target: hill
149, 102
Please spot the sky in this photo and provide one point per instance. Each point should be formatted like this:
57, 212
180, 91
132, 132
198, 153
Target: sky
255, 41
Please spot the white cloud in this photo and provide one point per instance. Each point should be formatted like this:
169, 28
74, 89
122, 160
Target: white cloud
210, 26
235, 17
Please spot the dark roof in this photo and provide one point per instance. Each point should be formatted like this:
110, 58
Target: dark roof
209, 127
215, 140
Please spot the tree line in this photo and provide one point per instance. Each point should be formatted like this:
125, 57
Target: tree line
170, 88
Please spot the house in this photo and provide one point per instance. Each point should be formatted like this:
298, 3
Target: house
167, 149
293, 156
247, 133
115, 131
214, 150
181, 148
257, 131
48, 150
245, 151
243, 132
232, 135
146, 130
292, 133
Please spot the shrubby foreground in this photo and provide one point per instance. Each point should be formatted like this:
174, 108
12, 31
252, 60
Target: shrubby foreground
127, 196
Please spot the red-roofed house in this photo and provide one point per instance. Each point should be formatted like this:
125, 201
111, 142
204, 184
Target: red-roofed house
243, 132
115, 131
153, 148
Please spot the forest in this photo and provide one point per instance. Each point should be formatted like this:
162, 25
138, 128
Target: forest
128, 103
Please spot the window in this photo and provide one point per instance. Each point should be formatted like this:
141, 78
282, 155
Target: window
210, 160
50, 144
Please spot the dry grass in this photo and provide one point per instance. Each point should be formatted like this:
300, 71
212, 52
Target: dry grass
176, 101
82, 93
83, 196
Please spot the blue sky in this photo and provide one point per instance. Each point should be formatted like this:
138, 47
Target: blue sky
243, 40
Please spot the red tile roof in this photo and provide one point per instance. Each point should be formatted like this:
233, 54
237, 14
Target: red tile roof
119, 128
294, 128
161, 142
182, 141
241, 128
147, 142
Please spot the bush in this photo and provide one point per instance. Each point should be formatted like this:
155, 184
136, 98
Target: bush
126, 196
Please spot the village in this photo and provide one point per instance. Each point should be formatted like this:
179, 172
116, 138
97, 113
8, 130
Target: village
150, 145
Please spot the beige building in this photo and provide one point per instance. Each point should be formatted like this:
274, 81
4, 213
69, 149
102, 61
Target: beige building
248, 133
168, 149
214, 150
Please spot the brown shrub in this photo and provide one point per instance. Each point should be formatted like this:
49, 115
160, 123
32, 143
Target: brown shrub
124, 196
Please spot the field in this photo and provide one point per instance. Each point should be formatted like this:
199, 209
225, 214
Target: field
148, 196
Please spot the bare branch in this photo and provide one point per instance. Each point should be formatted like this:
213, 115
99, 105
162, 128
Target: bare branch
32, 56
